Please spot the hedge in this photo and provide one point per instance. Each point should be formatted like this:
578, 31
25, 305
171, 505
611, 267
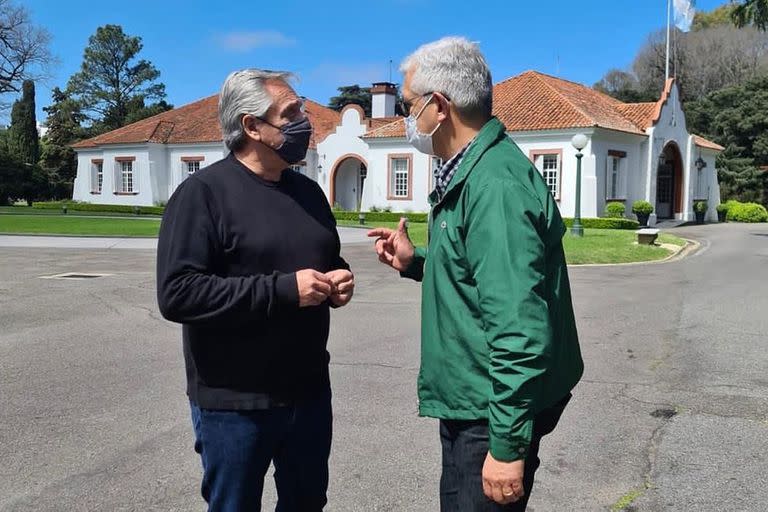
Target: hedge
746, 212
591, 223
605, 223
381, 216
90, 207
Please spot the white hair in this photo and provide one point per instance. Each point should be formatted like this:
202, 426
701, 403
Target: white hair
244, 93
454, 67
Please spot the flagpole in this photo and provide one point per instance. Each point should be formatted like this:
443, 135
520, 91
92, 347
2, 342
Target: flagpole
669, 21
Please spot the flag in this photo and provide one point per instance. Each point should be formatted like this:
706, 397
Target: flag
684, 11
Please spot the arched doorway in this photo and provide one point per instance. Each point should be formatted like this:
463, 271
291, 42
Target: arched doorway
347, 181
669, 183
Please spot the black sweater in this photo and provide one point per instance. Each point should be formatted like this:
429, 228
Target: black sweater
230, 244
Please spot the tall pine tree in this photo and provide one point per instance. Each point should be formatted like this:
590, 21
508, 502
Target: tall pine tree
23, 141
24, 145
114, 85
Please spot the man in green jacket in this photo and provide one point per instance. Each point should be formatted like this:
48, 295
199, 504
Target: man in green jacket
500, 352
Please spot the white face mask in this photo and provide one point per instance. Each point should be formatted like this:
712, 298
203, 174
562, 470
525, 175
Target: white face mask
421, 141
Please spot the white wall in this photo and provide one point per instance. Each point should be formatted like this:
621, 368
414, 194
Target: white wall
376, 185
382, 105
604, 141
176, 171
345, 141
158, 170
671, 127
530, 141
141, 176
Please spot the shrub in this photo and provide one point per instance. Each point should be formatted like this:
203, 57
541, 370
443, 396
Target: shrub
722, 207
605, 223
615, 210
700, 206
373, 217
642, 208
90, 207
747, 212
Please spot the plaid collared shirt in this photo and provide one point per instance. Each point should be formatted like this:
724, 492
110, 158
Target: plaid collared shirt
444, 173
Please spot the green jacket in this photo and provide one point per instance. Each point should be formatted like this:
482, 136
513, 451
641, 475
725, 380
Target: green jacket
498, 336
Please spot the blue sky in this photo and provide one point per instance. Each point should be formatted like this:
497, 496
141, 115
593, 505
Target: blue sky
328, 44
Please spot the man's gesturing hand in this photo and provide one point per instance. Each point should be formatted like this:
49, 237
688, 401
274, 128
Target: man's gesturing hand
394, 246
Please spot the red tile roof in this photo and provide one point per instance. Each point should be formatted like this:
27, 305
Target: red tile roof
534, 101
640, 114
704, 143
199, 122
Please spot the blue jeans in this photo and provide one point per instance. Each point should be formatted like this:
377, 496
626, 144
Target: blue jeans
465, 446
236, 448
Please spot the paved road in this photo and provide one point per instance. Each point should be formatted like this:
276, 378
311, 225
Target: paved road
347, 236
673, 407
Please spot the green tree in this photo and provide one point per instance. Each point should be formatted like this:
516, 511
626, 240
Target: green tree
10, 172
23, 139
737, 118
751, 12
138, 111
352, 94
64, 123
113, 83
718, 17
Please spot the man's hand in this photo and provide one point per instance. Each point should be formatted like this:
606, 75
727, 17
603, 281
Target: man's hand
503, 481
343, 286
394, 247
314, 287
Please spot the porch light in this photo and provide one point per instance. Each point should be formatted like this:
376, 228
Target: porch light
700, 163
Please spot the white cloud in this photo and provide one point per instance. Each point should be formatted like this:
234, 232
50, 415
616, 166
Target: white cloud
247, 41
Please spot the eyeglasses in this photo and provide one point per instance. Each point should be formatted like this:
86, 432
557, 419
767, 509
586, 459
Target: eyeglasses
407, 105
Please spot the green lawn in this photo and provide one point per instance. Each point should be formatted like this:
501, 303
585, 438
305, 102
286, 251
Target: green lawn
614, 246
28, 210
597, 246
78, 225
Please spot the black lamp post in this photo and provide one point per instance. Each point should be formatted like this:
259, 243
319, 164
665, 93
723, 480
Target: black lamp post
579, 141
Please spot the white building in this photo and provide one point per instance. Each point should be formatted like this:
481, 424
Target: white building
635, 151
144, 162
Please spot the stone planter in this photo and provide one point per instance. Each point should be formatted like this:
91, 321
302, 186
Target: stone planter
642, 218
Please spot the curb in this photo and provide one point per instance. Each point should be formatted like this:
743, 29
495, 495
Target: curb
682, 252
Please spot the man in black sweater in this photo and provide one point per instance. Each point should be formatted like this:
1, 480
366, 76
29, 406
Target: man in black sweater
248, 262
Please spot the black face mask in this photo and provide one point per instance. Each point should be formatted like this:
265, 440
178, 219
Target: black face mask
296, 135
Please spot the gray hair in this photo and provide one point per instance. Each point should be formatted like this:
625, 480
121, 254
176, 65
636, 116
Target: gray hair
455, 67
244, 93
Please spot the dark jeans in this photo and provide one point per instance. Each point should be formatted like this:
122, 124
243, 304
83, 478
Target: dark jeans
465, 446
236, 448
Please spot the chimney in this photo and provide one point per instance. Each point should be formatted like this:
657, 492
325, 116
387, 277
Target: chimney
383, 96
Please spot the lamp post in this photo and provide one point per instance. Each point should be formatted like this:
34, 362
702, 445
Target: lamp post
579, 141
